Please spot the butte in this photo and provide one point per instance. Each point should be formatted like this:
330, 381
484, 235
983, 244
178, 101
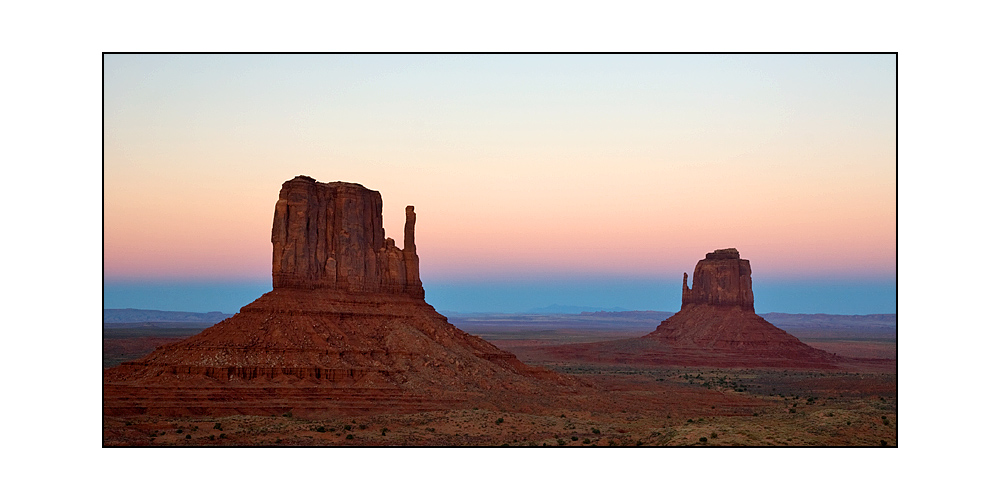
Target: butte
344, 330
716, 326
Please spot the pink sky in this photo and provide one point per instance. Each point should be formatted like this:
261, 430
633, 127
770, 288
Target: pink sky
517, 165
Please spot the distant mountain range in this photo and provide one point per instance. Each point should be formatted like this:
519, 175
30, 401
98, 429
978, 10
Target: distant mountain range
564, 309
154, 316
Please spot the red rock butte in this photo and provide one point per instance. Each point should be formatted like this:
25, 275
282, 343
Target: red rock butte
716, 326
717, 317
345, 329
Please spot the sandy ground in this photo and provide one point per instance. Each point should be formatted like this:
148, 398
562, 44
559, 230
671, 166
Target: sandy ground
854, 405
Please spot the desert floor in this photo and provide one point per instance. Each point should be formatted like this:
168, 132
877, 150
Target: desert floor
855, 405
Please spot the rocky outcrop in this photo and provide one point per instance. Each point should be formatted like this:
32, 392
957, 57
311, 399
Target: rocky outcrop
717, 317
722, 278
346, 313
330, 235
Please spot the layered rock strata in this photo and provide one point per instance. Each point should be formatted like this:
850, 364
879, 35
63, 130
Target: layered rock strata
346, 313
717, 316
721, 279
330, 235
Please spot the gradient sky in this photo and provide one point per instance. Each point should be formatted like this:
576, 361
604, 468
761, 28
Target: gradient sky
524, 169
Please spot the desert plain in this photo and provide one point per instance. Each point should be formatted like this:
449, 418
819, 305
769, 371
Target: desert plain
853, 403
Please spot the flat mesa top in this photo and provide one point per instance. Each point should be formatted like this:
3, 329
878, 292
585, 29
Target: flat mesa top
306, 178
724, 254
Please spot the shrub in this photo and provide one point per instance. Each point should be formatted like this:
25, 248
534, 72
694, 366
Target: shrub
883, 443
384, 430
792, 410
180, 431
499, 420
715, 435
574, 438
321, 429
212, 437
217, 426
187, 437
222, 436
350, 436
347, 427
703, 439
362, 427
595, 430
586, 441
561, 442
287, 414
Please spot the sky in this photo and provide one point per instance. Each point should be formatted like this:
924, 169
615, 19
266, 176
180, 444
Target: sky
581, 180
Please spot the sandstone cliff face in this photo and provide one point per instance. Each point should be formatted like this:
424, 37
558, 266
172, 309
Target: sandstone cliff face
346, 319
330, 235
717, 316
722, 278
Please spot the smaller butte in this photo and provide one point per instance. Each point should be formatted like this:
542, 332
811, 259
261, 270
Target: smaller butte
717, 317
716, 326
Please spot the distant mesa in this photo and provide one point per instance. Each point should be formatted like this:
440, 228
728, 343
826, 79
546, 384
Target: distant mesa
716, 326
346, 318
717, 316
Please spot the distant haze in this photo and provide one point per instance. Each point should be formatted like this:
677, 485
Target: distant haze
538, 180
564, 296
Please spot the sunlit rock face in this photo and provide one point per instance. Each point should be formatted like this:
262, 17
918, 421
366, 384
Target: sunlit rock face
330, 235
722, 278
